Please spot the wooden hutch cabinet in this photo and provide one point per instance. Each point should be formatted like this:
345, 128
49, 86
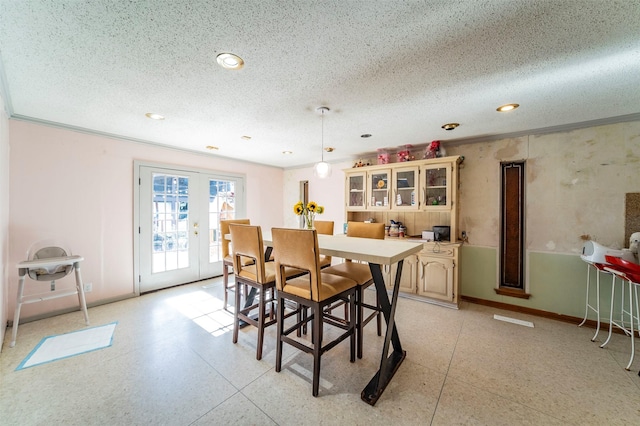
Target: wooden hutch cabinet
420, 194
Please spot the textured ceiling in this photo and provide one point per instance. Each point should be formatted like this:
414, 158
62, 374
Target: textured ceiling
398, 70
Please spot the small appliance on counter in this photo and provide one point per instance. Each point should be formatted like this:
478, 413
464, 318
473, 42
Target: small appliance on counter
441, 233
428, 235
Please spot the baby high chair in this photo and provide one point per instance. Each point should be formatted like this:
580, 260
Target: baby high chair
48, 261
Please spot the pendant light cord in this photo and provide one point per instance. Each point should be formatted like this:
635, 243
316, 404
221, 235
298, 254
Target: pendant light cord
322, 169
322, 135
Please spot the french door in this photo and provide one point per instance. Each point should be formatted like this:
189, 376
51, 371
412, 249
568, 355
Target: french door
178, 230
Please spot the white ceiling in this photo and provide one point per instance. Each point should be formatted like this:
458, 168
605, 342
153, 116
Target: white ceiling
398, 70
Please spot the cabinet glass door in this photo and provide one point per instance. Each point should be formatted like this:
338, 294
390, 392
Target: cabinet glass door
379, 183
356, 191
405, 194
436, 187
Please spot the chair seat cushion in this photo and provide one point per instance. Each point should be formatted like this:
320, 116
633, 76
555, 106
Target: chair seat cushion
51, 273
325, 261
249, 272
245, 260
359, 272
330, 286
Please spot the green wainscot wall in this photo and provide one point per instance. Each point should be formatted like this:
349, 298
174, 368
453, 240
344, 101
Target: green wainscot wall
556, 282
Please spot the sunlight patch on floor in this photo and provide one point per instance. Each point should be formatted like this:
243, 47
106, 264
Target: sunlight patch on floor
204, 310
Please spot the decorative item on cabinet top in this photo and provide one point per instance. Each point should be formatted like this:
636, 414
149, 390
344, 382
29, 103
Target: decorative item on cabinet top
383, 156
360, 163
434, 150
404, 154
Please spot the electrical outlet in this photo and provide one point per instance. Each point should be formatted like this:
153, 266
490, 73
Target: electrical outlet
88, 287
464, 235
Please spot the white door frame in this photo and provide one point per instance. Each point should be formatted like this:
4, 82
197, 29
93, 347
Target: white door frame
240, 203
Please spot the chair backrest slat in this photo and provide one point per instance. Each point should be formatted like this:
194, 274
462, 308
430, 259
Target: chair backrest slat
297, 248
247, 241
324, 227
365, 230
224, 230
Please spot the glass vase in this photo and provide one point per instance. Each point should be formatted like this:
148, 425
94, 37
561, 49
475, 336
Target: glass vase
309, 222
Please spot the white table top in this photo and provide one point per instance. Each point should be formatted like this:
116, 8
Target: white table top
383, 252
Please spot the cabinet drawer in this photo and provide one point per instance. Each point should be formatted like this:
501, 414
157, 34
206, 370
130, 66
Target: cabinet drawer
432, 251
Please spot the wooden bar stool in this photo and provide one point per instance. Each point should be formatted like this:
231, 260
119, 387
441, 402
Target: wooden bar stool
298, 248
227, 260
259, 275
361, 273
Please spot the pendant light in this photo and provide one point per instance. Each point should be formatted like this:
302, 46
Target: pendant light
322, 169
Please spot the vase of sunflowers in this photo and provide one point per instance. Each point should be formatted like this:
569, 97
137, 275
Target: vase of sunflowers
308, 212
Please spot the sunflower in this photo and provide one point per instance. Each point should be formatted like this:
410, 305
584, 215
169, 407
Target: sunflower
309, 211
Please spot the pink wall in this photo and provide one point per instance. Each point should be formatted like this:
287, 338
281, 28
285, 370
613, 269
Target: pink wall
4, 219
328, 193
80, 187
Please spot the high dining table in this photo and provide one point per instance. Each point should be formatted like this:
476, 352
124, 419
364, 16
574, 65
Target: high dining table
376, 253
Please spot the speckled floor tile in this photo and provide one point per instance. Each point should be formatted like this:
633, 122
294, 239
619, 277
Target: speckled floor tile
237, 410
173, 362
461, 403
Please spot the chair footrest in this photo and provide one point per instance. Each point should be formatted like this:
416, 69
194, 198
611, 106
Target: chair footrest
34, 299
367, 306
334, 318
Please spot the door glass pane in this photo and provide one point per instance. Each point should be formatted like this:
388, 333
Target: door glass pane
222, 206
170, 211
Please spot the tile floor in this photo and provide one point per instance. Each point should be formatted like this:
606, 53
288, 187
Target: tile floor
173, 363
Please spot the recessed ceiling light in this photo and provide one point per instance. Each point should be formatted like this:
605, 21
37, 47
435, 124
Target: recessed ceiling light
366, 135
246, 138
230, 61
154, 116
507, 107
450, 126
212, 148
287, 152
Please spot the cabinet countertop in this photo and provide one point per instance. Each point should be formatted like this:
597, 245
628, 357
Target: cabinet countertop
420, 240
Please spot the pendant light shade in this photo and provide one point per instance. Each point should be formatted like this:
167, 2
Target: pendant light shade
322, 169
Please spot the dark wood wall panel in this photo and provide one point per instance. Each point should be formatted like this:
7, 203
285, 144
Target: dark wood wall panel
631, 215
